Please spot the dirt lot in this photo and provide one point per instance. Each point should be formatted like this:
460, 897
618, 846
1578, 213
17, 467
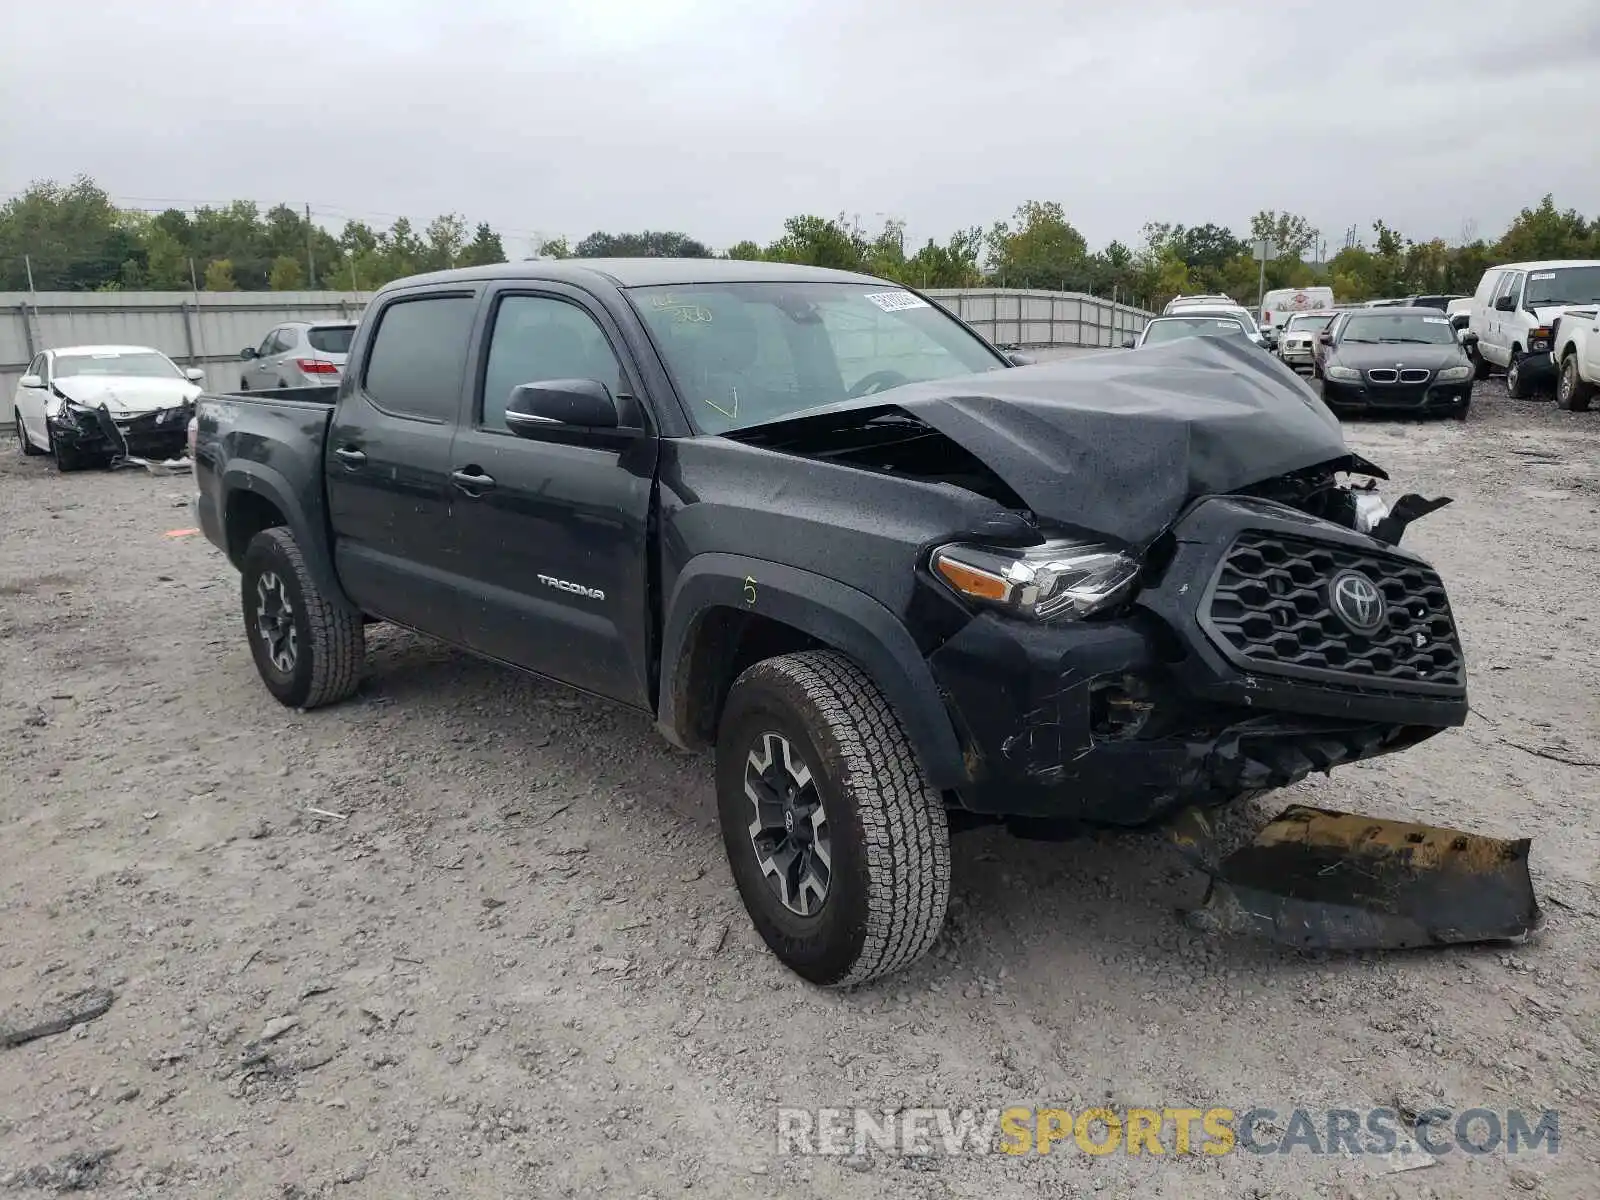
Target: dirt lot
514, 965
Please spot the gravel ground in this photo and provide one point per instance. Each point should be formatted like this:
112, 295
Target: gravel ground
514, 964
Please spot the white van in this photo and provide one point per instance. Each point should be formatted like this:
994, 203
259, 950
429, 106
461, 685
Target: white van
1278, 305
1512, 311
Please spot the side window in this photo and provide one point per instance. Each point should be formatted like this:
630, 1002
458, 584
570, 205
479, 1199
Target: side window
418, 356
538, 338
1515, 290
267, 343
285, 341
1508, 281
38, 367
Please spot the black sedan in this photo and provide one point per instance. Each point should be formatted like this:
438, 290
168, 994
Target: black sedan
1397, 360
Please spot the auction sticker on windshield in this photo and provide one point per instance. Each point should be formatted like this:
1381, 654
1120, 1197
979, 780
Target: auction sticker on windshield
896, 301
1542, 275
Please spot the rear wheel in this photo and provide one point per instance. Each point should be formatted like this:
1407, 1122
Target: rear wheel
24, 442
307, 650
839, 848
1572, 392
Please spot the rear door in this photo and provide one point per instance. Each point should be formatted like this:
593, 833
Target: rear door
387, 461
553, 532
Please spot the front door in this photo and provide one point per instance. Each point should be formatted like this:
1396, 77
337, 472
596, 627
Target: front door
553, 535
1503, 325
388, 462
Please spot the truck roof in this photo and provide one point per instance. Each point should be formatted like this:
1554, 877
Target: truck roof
644, 272
1548, 264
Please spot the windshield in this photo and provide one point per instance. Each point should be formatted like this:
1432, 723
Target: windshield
1170, 329
742, 354
1399, 328
1313, 322
331, 339
146, 365
1565, 285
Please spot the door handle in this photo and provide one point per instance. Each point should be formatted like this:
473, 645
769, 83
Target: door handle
472, 481
350, 456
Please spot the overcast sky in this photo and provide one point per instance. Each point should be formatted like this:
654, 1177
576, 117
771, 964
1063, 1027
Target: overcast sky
721, 117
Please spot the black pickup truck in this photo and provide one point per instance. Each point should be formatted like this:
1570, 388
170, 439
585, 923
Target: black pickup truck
901, 583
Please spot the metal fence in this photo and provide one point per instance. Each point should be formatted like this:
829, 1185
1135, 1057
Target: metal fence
1017, 317
198, 329
208, 329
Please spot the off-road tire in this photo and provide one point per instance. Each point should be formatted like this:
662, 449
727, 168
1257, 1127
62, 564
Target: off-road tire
1517, 385
890, 838
24, 442
1572, 393
331, 641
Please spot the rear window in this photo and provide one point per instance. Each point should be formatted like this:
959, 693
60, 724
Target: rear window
331, 339
418, 357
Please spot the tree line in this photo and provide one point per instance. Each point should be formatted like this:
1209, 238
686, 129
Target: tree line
72, 237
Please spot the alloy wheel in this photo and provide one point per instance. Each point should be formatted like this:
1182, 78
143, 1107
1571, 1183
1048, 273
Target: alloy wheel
789, 825
275, 622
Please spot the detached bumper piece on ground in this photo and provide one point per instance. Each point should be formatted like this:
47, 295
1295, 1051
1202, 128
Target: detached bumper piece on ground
1323, 880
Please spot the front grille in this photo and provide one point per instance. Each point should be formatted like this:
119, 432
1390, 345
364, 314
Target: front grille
1382, 375
1414, 375
1271, 607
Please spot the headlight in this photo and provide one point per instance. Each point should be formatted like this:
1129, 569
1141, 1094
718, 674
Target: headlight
1057, 579
1455, 374
1345, 373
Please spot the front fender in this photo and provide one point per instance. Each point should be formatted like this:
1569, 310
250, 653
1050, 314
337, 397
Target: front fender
833, 613
307, 525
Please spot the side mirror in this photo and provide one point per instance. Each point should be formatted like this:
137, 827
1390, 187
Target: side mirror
1505, 304
194, 375
248, 353
1325, 337
535, 408
31, 381
1130, 343
1018, 359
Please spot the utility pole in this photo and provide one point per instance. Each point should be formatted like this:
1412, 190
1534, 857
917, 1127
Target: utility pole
311, 258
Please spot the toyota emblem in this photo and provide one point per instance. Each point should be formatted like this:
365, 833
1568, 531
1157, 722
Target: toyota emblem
1357, 602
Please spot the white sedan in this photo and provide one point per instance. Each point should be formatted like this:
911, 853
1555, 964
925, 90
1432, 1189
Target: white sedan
98, 404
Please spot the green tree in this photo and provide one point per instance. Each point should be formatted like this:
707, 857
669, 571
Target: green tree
483, 249
73, 236
287, 275
1042, 250
1543, 232
1291, 233
818, 242
553, 248
219, 276
648, 244
444, 238
746, 250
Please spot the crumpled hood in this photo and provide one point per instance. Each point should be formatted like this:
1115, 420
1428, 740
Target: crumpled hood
126, 395
1116, 444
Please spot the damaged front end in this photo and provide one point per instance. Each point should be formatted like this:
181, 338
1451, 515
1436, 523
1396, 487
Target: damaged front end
156, 440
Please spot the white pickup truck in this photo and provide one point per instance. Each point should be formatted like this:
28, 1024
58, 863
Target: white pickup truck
1575, 346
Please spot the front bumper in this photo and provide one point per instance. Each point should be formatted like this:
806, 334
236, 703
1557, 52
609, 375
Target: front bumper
157, 435
1122, 722
1365, 396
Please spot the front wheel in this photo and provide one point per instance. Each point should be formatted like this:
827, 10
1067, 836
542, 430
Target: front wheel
839, 848
1572, 392
24, 442
1517, 385
307, 650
